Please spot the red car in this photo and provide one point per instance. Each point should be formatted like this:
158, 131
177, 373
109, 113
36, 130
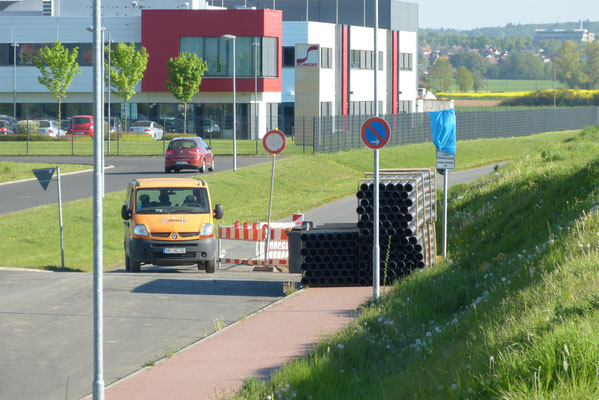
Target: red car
188, 153
81, 125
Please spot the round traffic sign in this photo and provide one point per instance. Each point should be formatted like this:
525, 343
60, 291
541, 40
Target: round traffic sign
375, 132
274, 141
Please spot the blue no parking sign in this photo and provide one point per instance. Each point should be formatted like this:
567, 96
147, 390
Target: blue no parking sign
375, 133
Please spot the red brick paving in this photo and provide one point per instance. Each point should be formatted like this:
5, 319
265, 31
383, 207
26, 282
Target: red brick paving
252, 347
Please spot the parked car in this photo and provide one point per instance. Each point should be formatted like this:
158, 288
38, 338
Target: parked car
64, 124
6, 128
172, 124
48, 127
82, 125
188, 153
12, 122
115, 124
210, 126
149, 127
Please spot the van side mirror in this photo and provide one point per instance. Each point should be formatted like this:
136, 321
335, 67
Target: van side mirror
125, 213
218, 211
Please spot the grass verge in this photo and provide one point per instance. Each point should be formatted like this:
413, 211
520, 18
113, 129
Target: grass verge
30, 238
15, 171
513, 315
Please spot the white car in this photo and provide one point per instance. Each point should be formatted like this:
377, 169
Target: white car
149, 127
49, 128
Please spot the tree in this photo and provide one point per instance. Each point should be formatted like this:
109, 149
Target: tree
472, 61
58, 66
464, 79
477, 81
442, 75
185, 73
591, 66
524, 66
568, 64
127, 69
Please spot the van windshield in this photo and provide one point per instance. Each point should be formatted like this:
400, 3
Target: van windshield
172, 201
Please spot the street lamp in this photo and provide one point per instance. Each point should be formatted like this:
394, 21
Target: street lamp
256, 44
232, 38
14, 87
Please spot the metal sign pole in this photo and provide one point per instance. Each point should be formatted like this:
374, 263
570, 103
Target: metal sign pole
267, 238
60, 218
272, 184
98, 383
445, 179
376, 273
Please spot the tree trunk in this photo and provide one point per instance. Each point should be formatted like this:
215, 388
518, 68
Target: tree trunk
59, 119
126, 117
185, 118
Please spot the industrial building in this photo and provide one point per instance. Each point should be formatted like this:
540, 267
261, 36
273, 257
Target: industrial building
271, 41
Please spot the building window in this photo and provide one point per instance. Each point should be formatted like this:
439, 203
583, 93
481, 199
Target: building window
381, 61
288, 56
326, 108
405, 106
218, 55
405, 61
326, 55
363, 59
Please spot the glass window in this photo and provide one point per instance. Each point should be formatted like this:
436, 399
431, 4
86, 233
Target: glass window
381, 61
288, 56
5, 54
269, 57
172, 200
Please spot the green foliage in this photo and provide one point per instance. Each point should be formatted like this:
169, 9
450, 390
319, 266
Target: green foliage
464, 79
563, 98
127, 69
185, 73
23, 126
477, 81
58, 66
474, 62
441, 75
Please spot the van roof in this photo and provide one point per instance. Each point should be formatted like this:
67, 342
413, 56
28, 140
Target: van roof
168, 182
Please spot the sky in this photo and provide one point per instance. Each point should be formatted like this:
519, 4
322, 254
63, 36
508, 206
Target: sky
470, 14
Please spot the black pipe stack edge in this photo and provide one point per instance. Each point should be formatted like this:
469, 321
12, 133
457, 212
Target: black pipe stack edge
407, 240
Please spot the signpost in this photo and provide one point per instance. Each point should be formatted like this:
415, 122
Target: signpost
274, 142
44, 176
375, 134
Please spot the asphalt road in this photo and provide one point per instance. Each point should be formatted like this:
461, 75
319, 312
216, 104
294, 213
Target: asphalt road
46, 326
119, 172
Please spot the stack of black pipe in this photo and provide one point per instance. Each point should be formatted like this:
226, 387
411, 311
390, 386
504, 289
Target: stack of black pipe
402, 219
330, 258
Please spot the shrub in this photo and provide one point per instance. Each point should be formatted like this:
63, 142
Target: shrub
34, 127
563, 98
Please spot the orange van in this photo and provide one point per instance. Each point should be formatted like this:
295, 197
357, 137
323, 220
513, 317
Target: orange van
169, 221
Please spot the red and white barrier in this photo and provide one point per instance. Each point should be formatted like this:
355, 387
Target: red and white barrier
278, 250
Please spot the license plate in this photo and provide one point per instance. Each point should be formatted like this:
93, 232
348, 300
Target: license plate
79, 133
181, 162
174, 250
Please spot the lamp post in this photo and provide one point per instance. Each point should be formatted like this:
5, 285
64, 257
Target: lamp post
256, 44
232, 38
554, 85
102, 30
109, 48
14, 45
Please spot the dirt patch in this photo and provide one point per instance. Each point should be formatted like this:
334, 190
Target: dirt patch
476, 103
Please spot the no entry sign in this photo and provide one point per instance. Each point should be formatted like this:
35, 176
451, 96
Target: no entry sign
274, 141
375, 133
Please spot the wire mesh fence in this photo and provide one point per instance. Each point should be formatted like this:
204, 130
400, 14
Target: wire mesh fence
338, 133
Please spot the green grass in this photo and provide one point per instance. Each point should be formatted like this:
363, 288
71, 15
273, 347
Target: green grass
30, 238
514, 313
14, 171
133, 145
515, 85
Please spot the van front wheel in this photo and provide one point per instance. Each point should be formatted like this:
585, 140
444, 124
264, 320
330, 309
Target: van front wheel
132, 266
211, 266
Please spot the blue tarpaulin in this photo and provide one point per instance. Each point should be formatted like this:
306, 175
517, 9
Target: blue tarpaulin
443, 129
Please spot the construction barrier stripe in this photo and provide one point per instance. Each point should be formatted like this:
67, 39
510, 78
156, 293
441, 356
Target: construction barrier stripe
229, 232
253, 262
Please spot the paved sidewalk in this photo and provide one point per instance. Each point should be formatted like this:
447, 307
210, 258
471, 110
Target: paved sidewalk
254, 346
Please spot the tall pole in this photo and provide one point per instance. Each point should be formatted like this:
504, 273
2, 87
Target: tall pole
14, 77
109, 48
60, 218
554, 85
445, 179
267, 238
376, 256
307, 10
234, 113
256, 44
98, 383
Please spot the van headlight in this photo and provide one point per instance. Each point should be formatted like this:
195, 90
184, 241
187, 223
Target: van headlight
207, 229
140, 230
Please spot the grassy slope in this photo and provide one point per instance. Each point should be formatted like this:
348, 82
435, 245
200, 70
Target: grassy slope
14, 171
30, 238
513, 315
